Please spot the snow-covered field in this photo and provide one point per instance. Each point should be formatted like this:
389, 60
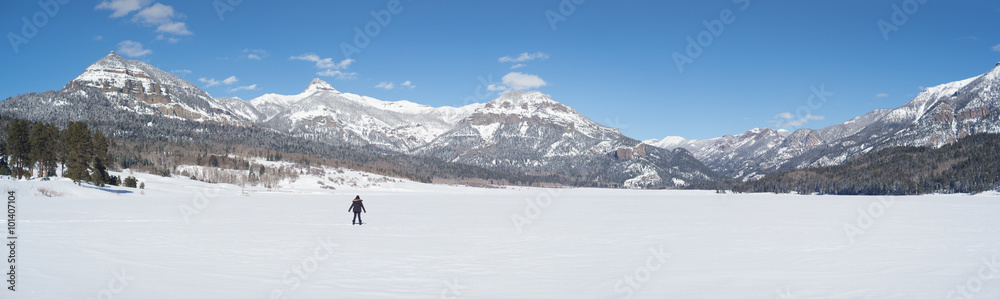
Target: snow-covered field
181, 238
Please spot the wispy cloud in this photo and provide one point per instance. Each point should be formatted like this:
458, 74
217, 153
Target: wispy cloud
337, 74
787, 120
519, 65
120, 8
255, 54
158, 15
996, 48
524, 57
882, 95
324, 63
132, 49
212, 82
248, 87
181, 71
391, 85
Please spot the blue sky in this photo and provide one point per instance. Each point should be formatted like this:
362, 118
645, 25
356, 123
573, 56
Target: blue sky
613, 61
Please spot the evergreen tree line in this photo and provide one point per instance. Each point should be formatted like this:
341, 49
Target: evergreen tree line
35, 149
970, 165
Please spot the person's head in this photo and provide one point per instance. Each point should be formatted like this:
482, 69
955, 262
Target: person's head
357, 197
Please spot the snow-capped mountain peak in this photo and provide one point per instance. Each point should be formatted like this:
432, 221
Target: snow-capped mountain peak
319, 85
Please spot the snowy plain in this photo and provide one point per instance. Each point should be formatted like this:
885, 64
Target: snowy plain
180, 238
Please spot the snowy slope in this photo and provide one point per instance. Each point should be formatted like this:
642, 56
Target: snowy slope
180, 238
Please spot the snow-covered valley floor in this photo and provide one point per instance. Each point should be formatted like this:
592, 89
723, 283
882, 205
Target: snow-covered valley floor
181, 238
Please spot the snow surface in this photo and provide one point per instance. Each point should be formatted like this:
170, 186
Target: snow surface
181, 238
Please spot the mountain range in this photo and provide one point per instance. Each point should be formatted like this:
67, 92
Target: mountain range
520, 132
937, 116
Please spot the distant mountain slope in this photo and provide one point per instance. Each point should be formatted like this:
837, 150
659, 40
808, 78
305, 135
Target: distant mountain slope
937, 116
970, 165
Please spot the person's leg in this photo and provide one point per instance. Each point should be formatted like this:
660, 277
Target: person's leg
359, 218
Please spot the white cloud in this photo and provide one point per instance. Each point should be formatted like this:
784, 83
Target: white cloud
132, 49
385, 85
324, 63
519, 65
519, 81
121, 8
248, 87
882, 95
494, 87
996, 48
337, 74
524, 57
175, 28
786, 120
256, 54
212, 82
158, 15
181, 71
99, 37
801, 121
155, 15
169, 39
409, 84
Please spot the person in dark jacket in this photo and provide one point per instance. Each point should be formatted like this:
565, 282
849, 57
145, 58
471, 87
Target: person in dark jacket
357, 207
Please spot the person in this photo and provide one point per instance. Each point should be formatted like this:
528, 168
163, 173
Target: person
357, 207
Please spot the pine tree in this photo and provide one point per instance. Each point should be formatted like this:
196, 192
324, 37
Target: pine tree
4, 168
100, 175
19, 148
78, 152
43, 148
